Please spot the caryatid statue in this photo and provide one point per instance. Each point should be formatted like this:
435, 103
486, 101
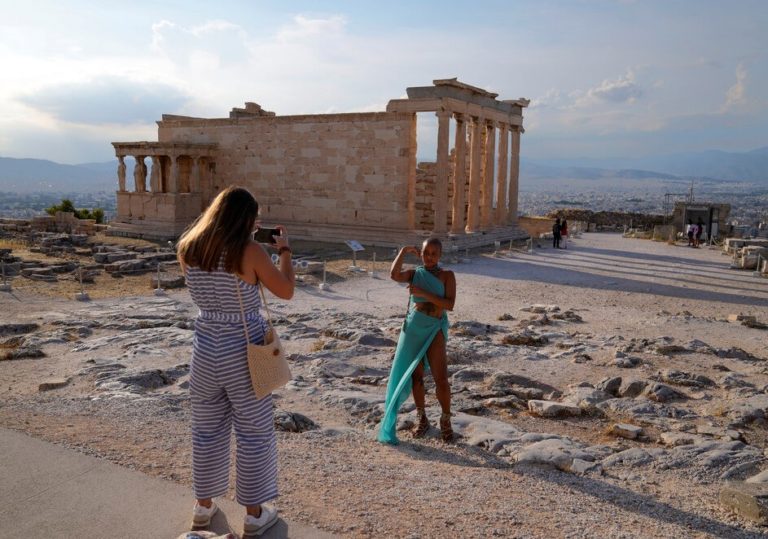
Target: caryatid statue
121, 173
140, 174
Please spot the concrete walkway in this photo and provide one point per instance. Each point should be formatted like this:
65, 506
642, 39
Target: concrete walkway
50, 491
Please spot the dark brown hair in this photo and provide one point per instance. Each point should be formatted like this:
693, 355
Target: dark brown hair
434, 241
224, 228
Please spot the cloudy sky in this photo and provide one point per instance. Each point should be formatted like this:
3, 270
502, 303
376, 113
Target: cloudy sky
606, 78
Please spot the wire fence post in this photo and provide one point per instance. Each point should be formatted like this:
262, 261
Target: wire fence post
159, 290
83, 295
5, 286
373, 263
324, 284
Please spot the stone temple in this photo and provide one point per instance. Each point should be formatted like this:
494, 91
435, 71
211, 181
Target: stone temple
333, 177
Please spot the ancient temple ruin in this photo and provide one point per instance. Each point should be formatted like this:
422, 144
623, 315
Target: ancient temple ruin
334, 177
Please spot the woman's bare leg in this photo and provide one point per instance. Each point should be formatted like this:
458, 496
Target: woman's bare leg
417, 379
438, 364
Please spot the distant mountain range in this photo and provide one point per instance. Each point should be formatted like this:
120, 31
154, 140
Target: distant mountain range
35, 175
749, 166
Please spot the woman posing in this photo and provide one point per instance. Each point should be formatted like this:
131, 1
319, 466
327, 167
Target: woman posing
422, 341
224, 268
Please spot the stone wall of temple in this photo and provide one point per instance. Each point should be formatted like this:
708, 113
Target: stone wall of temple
346, 169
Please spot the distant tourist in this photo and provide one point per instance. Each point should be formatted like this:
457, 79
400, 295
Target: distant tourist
689, 231
699, 231
556, 231
432, 291
564, 233
223, 267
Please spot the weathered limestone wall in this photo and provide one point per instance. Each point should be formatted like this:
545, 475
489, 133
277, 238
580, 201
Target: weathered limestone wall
332, 169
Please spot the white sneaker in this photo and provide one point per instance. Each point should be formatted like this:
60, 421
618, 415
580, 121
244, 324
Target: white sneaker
253, 526
201, 516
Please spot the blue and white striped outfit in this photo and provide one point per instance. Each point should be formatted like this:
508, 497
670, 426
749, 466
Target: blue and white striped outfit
222, 395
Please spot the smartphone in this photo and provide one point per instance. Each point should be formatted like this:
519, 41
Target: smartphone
266, 235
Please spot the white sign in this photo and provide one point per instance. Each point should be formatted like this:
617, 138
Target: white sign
354, 245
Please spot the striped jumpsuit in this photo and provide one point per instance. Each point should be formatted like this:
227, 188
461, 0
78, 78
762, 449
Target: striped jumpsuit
222, 395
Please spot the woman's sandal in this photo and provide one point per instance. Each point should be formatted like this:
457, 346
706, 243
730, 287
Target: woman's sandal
446, 430
422, 427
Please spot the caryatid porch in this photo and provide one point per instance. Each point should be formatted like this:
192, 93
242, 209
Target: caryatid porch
170, 193
475, 176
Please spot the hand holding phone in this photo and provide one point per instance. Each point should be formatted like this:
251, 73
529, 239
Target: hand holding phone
266, 235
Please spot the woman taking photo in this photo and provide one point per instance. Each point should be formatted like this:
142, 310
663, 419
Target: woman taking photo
224, 267
422, 341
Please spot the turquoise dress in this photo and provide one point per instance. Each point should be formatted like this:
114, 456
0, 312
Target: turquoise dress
418, 332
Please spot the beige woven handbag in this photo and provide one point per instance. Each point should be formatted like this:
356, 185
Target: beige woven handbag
266, 362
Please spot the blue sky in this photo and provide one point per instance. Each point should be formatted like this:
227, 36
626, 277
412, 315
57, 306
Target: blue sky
606, 78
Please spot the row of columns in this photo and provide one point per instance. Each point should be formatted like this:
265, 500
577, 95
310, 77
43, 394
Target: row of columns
160, 181
479, 213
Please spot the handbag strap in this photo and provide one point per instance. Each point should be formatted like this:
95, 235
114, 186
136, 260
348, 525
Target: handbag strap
264, 302
242, 310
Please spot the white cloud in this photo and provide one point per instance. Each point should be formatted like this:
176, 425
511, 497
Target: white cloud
551, 98
109, 100
735, 94
621, 90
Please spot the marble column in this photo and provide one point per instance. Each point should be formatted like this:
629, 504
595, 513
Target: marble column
514, 173
173, 177
140, 174
194, 175
459, 176
121, 173
501, 175
155, 173
473, 208
486, 206
440, 200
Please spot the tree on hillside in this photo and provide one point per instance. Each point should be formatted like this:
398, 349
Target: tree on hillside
66, 205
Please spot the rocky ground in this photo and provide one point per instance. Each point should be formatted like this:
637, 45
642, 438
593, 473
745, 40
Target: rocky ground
599, 391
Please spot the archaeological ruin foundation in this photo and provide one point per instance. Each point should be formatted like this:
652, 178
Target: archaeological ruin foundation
334, 177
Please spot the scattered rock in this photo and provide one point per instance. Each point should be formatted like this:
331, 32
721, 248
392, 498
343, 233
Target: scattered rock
663, 393
581, 358
22, 352
674, 439
539, 309
586, 398
17, 329
630, 389
636, 456
625, 430
469, 375
628, 362
53, 383
470, 328
610, 385
524, 338
750, 500
567, 316
505, 402
552, 409
685, 379
376, 341
557, 452
293, 421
